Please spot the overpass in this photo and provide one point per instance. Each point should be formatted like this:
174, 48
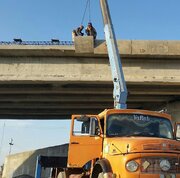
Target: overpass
55, 80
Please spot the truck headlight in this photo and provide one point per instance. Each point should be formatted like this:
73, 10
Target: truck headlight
165, 165
132, 166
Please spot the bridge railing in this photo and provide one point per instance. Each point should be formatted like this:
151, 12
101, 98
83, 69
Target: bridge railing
69, 43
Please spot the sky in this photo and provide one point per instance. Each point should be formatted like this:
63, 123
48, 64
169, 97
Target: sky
47, 19
42, 20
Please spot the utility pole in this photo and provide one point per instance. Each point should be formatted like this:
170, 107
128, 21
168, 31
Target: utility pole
10, 144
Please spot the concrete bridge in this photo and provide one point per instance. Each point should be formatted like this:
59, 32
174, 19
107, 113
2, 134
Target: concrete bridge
55, 81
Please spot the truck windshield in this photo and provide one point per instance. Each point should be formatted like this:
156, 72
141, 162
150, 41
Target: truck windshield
126, 125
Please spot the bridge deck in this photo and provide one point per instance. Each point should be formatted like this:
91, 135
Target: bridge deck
55, 81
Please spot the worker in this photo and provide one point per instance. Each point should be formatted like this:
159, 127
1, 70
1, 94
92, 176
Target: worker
79, 30
91, 31
74, 34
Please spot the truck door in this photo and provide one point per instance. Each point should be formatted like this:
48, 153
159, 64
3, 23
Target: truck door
85, 140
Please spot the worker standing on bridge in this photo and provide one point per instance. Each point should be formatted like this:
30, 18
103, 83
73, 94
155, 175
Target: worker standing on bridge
79, 30
91, 31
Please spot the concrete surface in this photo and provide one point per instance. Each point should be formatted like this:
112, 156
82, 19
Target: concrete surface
84, 44
24, 164
57, 81
174, 110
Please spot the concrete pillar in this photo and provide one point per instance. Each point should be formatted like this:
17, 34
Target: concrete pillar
174, 110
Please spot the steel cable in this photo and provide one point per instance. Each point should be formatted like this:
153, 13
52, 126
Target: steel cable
87, 3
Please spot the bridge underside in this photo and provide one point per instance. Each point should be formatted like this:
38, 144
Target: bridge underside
60, 101
54, 82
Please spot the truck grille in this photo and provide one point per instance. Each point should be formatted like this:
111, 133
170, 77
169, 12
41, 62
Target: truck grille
152, 165
164, 147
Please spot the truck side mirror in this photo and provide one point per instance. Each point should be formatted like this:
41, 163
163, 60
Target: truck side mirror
94, 127
177, 131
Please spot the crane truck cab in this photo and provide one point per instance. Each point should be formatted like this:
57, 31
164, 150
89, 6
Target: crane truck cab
124, 143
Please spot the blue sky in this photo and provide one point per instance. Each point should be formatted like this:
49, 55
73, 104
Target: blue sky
46, 19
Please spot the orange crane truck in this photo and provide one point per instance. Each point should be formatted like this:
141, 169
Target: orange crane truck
119, 142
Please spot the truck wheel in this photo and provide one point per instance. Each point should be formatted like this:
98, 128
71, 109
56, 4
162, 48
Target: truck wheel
61, 175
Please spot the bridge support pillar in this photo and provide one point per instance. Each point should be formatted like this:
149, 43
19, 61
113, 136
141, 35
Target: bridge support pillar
174, 110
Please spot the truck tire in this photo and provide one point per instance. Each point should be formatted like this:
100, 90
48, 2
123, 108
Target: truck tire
101, 167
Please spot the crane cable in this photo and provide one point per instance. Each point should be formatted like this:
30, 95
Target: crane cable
88, 5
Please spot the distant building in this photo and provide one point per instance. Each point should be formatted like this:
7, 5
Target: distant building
22, 165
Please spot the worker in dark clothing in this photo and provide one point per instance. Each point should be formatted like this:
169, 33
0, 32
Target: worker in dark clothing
79, 30
91, 31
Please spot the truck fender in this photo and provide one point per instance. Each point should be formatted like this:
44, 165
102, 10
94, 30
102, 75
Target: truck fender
101, 166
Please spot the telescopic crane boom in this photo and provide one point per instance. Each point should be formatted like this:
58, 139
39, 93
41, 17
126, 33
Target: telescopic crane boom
120, 89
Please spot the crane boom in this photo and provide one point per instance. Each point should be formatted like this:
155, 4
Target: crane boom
120, 89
